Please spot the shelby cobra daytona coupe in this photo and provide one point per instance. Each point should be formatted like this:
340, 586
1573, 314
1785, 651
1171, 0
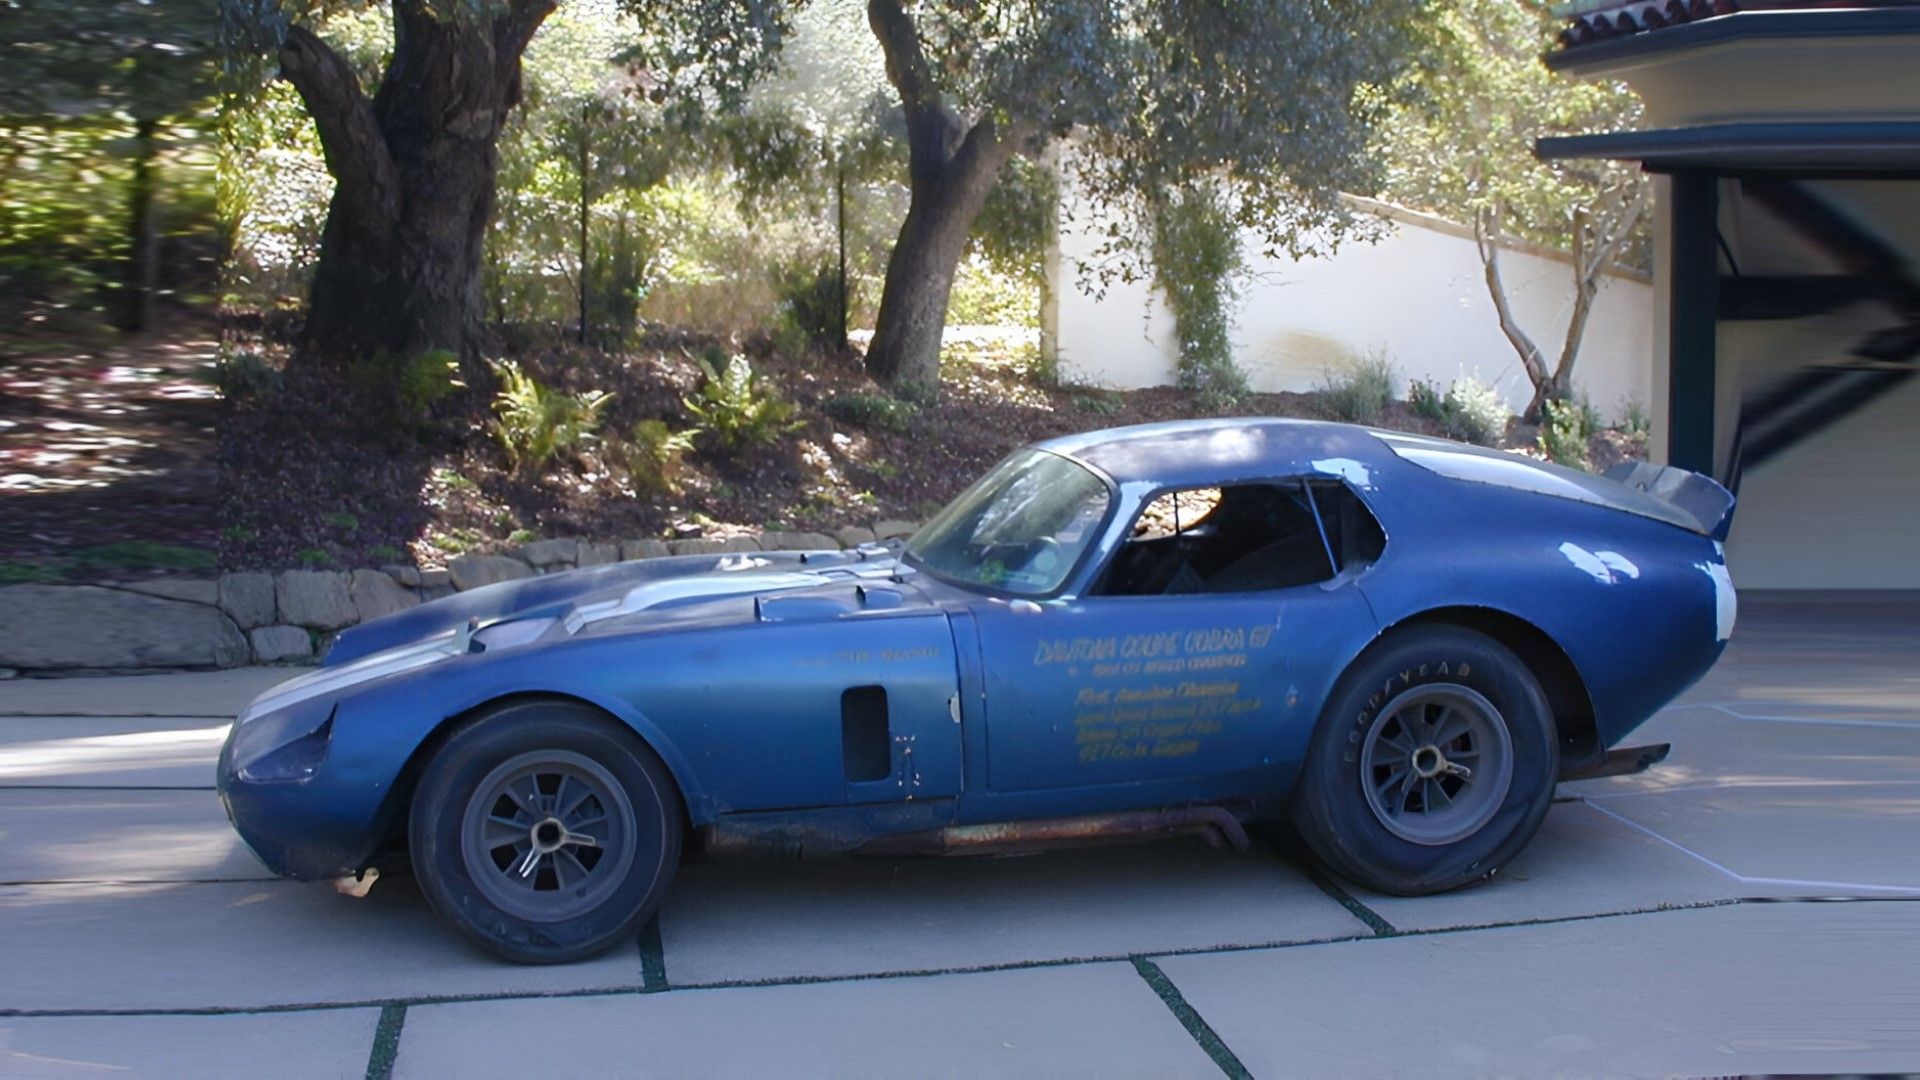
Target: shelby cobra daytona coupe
1401, 644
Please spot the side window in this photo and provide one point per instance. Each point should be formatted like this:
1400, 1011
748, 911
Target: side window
1242, 538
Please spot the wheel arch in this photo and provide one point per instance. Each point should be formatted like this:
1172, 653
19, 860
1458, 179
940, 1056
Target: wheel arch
1566, 689
392, 818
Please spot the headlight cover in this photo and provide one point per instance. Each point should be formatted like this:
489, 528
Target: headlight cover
279, 748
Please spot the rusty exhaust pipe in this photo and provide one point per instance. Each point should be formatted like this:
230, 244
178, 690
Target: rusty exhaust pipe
1215, 825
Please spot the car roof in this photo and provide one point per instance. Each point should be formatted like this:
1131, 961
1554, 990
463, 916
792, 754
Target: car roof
1196, 453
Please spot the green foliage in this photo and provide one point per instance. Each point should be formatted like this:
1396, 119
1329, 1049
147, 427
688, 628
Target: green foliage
386, 553
1360, 391
1009, 242
1565, 428
314, 558
1473, 412
26, 573
104, 108
535, 423
577, 237
342, 521
875, 412
243, 374
1425, 399
426, 378
809, 313
144, 555
1634, 419
655, 456
1098, 403
985, 295
1196, 252
1462, 144
403, 388
737, 409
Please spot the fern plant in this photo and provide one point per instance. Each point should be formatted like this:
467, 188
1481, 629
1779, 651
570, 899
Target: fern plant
535, 423
654, 457
736, 408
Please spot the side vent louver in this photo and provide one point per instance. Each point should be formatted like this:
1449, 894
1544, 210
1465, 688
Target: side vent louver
865, 740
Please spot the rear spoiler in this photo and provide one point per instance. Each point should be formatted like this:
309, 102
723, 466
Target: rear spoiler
1693, 495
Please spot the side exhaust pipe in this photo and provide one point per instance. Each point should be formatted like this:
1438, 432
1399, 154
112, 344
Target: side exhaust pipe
1215, 825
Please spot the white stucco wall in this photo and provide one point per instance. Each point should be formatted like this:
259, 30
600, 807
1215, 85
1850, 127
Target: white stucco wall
1418, 293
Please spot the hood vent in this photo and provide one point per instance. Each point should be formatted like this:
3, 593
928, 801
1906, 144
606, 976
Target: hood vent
816, 606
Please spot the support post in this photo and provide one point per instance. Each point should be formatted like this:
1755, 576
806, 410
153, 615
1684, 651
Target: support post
1693, 317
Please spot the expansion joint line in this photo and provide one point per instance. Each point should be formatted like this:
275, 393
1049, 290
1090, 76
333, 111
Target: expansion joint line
653, 959
1191, 1019
386, 1041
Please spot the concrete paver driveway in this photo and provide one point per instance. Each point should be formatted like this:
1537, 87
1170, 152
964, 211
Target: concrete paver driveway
1752, 905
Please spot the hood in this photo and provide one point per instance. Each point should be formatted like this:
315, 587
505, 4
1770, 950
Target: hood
617, 592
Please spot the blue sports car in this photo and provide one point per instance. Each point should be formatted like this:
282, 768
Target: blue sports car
1399, 644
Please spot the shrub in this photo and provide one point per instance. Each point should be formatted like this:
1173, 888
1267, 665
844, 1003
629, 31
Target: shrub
809, 308
875, 412
1473, 412
737, 409
1360, 393
1634, 419
655, 457
1098, 403
405, 387
1426, 400
1565, 428
535, 423
244, 374
424, 379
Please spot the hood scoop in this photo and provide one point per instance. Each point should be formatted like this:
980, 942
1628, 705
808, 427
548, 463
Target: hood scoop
817, 606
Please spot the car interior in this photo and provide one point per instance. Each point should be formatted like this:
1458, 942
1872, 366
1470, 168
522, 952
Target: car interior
1244, 538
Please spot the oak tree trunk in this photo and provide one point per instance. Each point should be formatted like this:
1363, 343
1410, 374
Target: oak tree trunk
905, 352
952, 168
415, 169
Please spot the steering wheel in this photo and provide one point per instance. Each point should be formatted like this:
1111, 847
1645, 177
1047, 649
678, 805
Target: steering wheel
1044, 547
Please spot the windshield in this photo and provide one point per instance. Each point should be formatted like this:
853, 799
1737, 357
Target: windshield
1019, 529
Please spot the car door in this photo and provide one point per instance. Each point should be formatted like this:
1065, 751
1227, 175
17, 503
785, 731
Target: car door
1219, 671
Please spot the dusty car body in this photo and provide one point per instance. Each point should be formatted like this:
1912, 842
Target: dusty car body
1097, 677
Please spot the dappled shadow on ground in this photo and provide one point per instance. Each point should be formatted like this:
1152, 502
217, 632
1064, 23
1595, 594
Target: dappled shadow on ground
110, 445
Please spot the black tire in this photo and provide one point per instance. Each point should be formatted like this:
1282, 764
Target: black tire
1413, 834
554, 894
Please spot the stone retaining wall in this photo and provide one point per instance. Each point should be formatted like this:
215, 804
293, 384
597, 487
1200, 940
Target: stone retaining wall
291, 616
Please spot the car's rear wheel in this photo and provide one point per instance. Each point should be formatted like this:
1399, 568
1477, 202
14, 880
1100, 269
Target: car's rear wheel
1433, 764
545, 832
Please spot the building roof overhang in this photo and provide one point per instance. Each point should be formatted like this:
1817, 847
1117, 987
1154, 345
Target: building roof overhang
1871, 18
1823, 146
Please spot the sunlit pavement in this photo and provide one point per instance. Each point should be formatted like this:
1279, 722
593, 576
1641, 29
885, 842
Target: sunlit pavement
1678, 922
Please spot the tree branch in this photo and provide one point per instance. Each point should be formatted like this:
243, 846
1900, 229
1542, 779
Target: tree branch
356, 152
934, 133
1610, 229
1486, 226
512, 32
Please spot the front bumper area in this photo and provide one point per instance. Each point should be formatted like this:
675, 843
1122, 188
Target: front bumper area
312, 829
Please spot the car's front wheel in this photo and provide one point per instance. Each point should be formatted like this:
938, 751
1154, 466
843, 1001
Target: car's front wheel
1433, 765
545, 832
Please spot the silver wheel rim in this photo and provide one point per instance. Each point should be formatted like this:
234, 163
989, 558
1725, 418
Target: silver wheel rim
1436, 764
547, 835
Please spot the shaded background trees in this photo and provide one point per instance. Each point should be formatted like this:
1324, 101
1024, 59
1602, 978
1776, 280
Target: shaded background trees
105, 158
